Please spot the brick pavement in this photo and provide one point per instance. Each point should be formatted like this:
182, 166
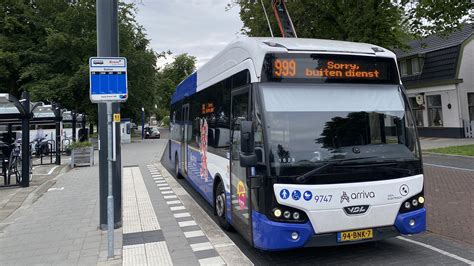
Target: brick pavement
450, 202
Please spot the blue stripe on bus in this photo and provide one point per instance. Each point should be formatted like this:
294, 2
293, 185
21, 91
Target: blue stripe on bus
185, 89
270, 235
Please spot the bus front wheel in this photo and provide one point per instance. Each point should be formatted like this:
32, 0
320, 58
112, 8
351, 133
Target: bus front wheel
220, 207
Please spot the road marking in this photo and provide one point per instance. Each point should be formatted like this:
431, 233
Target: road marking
201, 246
469, 262
177, 208
449, 167
52, 169
212, 261
187, 223
172, 202
193, 234
182, 215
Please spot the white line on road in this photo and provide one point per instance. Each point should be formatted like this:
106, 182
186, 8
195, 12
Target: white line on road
52, 169
449, 167
469, 262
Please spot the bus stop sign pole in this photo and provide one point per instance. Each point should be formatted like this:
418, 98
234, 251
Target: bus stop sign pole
108, 84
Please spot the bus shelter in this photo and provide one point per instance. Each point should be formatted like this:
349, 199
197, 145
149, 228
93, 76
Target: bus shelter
47, 120
14, 111
77, 123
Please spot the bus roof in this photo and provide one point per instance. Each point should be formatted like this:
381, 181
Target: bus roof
249, 53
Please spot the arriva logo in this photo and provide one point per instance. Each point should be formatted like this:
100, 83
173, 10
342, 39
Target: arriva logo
354, 210
357, 195
363, 195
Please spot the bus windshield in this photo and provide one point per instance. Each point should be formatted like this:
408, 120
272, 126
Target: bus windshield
308, 124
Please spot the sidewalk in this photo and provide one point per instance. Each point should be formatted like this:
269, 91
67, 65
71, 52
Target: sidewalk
61, 227
11, 198
433, 143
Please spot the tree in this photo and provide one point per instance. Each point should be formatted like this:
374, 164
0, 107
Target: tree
45, 46
170, 76
386, 23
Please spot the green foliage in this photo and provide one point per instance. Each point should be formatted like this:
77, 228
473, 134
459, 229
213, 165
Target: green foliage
77, 144
466, 150
169, 77
166, 120
45, 46
381, 22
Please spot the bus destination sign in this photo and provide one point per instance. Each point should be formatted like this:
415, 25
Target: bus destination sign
336, 68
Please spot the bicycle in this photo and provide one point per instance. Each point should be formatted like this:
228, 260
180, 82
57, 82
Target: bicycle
15, 165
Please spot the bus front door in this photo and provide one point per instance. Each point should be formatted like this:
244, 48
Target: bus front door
240, 193
185, 134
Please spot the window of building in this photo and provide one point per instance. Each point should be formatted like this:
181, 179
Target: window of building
417, 112
470, 104
415, 66
435, 110
403, 68
411, 66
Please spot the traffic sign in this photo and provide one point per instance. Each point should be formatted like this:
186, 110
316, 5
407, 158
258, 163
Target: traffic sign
108, 79
117, 118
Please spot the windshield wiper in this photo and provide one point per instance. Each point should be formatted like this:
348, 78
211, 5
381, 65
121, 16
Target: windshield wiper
303, 178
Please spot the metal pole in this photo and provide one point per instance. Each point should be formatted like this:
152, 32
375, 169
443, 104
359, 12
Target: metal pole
110, 197
58, 141
74, 125
107, 46
143, 123
25, 141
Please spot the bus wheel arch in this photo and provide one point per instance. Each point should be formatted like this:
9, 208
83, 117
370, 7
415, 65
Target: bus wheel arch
176, 166
219, 203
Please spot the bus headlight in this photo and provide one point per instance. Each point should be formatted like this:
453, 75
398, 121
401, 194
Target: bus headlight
421, 199
277, 213
287, 214
296, 215
407, 205
412, 204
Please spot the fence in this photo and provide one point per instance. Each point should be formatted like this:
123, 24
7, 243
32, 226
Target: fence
468, 129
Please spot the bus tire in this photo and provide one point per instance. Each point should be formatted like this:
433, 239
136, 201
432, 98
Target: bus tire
220, 207
176, 167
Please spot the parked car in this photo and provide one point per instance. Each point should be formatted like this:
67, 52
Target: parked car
152, 133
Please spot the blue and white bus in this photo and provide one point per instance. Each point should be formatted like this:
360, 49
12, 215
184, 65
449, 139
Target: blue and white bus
301, 143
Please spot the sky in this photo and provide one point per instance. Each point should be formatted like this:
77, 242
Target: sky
198, 27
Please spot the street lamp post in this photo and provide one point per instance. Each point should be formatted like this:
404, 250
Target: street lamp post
143, 123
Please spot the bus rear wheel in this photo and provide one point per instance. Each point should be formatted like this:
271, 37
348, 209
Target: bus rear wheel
220, 207
176, 167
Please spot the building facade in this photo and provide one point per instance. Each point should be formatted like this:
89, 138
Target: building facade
438, 74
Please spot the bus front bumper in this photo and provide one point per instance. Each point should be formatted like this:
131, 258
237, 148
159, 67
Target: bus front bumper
273, 236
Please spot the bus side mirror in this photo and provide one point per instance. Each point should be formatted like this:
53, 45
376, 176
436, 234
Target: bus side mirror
247, 156
246, 137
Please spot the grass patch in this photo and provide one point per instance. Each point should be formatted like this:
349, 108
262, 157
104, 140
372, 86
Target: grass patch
466, 150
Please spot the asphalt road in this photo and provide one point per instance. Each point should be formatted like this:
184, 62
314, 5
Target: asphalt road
427, 248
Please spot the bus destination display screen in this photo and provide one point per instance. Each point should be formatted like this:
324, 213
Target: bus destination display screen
329, 68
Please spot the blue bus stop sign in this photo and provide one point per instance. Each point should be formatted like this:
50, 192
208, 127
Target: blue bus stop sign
108, 79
